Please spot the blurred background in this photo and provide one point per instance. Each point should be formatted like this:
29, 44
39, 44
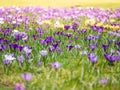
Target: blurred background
62, 3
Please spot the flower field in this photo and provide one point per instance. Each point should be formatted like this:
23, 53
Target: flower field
59, 48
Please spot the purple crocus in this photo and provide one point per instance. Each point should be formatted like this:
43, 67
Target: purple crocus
35, 37
105, 47
70, 47
59, 50
118, 51
51, 49
20, 58
104, 80
39, 63
66, 27
68, 35
3, 47
56, 65
49, 39
94, 28
75, 26
55, 45
111, 58
92, 46
14, 46
70, 41
19, 86
27, 76
92, 57
20, 47
118, 43
76, 37
42, 41
91, 37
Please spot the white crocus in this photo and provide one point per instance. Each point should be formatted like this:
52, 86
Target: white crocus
9, 57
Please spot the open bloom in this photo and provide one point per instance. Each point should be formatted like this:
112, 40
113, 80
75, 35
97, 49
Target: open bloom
27, 76
92, 57
44, 52
104, 81
19, 86
20, 58
93, 46
77, 46
27, 49
70, 47
8, 58
111, 58
56, 65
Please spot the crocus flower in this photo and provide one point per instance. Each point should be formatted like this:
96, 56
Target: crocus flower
27, 49
59, 50
104, 81
19, 86
70, 47
91, 37
56, 65
66, 27
3, 47
70, 41
8, 58
75, 26
43, 52
20, 58
77, 46
39, 63
92, 57
118, 51
92, 46
14, 46
75, 37
55, 45
49, 39
27, 55
111, 58
51, 49
68, 35
35, 37
27, 76
42, 41
118, 43
25, 38
105, 47
20, 47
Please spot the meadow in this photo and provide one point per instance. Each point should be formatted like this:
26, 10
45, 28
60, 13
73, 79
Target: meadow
61, 47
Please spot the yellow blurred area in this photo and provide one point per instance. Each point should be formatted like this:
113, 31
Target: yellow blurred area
62, 3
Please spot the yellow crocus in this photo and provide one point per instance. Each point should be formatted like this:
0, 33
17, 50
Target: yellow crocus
112, 20
116, 28
106, 26
90, 22
46, 22
99, 24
